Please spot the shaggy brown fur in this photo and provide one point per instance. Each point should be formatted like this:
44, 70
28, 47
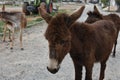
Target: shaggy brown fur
95, 16
86, 43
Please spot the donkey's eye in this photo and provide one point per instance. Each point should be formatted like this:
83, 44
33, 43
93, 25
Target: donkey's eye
63, 42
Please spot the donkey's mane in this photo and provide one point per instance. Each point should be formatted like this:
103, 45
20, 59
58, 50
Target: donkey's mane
60, 19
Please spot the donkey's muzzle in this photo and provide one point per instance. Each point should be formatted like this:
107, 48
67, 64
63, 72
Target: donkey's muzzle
53, 71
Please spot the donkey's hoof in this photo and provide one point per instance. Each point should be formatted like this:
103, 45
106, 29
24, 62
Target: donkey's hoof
11, 48
3, 40
10, 40
22, 48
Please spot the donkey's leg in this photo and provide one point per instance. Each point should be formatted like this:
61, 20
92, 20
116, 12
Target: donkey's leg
88, 69
78, 69
12, 42
21, 44
102, 70
4, 34
114, 50
10, 36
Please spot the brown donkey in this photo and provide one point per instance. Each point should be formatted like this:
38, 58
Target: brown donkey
96, 15
86, 43
13, 21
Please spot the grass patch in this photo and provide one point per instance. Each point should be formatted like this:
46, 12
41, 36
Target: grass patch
33, 22
1, 26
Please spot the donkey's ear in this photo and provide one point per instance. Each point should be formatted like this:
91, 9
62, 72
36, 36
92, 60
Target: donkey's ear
3, 7
89, 13
43, 13
76, 14
96, 10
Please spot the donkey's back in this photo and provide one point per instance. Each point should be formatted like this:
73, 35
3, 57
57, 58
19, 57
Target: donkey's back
14, 18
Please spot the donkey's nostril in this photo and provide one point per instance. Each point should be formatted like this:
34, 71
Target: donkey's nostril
53, 71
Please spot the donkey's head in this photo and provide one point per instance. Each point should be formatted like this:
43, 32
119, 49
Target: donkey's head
94, 16
58, 36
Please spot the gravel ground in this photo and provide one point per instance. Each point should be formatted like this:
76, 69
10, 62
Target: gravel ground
31, 63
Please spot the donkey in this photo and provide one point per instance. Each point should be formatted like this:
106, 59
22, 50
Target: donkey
86, 43
96, 15
13, 21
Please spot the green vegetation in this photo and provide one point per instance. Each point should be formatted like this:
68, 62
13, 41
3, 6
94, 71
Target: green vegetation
33, 22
